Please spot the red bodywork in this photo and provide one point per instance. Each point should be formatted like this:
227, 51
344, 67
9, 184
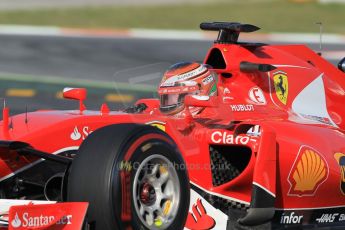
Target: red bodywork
294, 114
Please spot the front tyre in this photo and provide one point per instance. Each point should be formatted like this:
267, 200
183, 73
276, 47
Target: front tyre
132, 176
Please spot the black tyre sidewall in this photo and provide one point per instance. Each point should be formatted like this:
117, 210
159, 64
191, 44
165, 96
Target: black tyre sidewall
95, 174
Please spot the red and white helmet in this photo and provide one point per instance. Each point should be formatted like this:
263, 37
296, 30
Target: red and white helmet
182, 79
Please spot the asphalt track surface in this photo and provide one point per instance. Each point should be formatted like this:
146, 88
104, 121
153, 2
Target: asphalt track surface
110, 61
100, 59
91, 58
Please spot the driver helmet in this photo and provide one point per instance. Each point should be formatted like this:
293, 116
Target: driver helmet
185, 78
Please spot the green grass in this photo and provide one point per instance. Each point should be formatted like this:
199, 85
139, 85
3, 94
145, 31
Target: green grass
272, 16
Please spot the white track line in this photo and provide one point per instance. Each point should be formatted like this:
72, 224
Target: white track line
165, 34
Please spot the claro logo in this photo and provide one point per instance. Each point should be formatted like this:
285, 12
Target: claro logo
220, 137
28, 221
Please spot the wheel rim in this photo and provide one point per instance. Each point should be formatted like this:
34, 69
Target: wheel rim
156, 192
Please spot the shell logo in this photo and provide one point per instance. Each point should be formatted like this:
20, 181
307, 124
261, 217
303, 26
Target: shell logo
309, 171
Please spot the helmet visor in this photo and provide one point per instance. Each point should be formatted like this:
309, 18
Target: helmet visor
169, 102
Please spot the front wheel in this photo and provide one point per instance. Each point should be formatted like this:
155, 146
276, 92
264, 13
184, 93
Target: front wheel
132, 176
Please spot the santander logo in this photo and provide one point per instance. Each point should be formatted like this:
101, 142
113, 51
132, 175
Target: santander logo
198, 219
16, 223
33, 221
77, 135
67, 216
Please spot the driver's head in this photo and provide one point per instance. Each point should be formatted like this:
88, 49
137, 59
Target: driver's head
182, 79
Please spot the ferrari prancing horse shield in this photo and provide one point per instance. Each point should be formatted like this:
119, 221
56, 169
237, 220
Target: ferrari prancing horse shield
281, 86
340, 157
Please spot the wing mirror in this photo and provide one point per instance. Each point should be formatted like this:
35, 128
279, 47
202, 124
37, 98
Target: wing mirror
220, 112
252, 67
196, 101
200, 101
341, 65
76, 94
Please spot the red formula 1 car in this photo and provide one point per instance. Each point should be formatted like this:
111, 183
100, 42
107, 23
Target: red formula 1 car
266, 152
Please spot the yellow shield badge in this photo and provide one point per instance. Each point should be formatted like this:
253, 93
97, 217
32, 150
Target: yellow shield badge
281, 86
340, 157
157, 124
